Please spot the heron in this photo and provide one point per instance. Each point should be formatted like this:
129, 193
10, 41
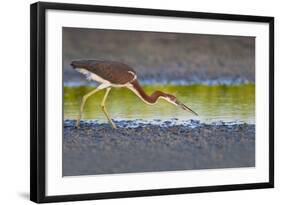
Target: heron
112, 74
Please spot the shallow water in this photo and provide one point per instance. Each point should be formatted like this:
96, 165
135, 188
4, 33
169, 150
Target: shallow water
212, 103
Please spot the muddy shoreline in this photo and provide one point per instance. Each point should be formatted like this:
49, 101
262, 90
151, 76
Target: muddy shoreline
96, 148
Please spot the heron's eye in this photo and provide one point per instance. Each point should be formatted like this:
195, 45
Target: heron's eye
172, 98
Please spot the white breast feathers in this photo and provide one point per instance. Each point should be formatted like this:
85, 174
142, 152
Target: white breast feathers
91, 76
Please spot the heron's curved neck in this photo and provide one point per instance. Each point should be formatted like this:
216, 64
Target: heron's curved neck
149, 99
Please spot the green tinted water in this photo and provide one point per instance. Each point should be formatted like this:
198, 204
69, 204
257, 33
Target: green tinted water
212, 103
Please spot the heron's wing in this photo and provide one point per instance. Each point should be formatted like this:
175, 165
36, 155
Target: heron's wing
116, 73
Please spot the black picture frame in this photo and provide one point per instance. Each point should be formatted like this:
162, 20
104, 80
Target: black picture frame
38, 101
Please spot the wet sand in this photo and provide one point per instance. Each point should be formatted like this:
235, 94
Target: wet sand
96, 148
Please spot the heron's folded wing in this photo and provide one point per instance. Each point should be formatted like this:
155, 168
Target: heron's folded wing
116, 73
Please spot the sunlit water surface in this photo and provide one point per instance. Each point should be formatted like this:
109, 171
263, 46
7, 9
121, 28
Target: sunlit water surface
212, 103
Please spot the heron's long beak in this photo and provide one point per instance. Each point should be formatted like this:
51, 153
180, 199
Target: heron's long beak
183, 106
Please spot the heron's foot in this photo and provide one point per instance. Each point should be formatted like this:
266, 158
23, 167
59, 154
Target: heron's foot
112, 124
77, 125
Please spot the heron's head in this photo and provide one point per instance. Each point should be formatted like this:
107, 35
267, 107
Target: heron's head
173, 100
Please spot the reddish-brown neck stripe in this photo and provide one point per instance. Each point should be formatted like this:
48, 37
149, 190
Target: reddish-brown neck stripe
137, 89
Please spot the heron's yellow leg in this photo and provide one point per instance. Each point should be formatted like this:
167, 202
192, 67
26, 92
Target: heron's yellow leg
84, 99
104, 108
